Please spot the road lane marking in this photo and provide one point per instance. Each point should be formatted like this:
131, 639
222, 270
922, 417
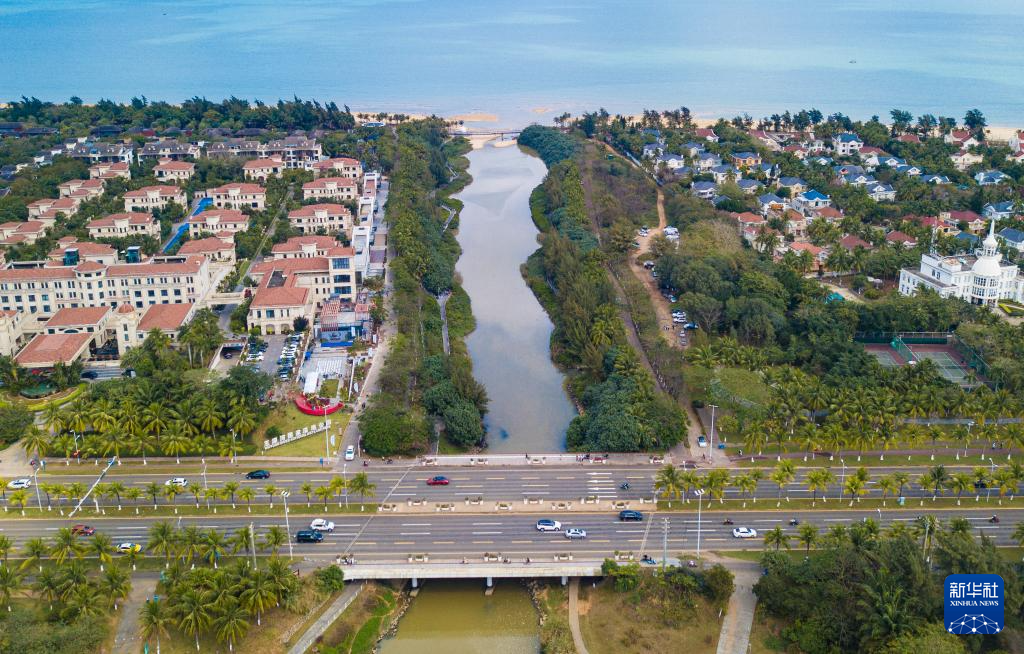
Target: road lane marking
493, 478
415, 524
414, 533
444, 542
483, 542
486, 533
405, 542
520, 542
485, 524
570, 477
535, 485
469, 485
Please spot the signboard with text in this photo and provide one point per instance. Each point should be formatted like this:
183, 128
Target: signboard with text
973, 604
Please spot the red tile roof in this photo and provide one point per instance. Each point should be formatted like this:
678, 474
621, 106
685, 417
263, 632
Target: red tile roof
203, 245
187, 267
164, 191
86, 248
280, 296
165, 316
134, 218
324, 181
311, 209
291, 266
45, 350
73, 316
249, 189
28, 274
175, 165
225, 216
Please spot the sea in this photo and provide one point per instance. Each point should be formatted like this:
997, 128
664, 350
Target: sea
528, 60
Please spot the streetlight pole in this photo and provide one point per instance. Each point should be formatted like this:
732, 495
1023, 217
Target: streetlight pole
991, 477
205, 494
35, 482
842, 481
233, 451
700, 495
344, 475
252, 543
78, 452
287, 524
664, 543
711, 436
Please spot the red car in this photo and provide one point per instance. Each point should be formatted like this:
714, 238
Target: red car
437, 481
83, 530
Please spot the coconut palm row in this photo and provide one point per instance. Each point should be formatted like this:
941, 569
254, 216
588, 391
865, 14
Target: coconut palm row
117, 492
672, 483
220, 602
103, 428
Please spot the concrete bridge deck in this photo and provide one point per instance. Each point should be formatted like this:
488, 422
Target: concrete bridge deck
455, 569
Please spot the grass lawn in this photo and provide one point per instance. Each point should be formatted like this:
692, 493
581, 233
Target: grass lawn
286, 418
357, 629
314, 445
768, 460
726, 386
615, 623
329, 388
764, 635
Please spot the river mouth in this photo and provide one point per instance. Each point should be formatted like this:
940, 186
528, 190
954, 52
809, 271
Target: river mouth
529, 410
455, 617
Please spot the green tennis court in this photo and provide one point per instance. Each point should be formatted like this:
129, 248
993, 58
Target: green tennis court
947, 365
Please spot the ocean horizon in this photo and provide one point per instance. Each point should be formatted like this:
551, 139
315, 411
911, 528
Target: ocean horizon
527, 60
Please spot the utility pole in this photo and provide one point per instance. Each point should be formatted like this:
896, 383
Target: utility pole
664, 543
252, 543
102, 474
700, 496
287, 524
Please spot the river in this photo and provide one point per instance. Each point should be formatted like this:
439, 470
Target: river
510, 348
455, 617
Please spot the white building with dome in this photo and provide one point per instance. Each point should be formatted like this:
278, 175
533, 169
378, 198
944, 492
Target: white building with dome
983, 278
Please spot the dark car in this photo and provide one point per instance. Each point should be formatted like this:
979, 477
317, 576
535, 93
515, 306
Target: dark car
90, 374
437, 481
258, 474
228, 355
308, 536
980, 485
83, 530
631, 516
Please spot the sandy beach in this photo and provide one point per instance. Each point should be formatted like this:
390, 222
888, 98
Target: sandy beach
475, 118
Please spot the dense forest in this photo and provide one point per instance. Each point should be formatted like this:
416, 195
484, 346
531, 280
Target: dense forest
419, 382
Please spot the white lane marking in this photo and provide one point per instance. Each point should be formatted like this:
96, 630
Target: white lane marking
414, 533
486, 533
485, 524
415, 524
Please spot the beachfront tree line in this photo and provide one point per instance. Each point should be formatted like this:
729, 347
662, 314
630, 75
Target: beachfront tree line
865, 590
851, 485
623, 409
420, 384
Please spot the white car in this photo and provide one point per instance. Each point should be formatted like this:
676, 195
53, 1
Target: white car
549, 525
574, 533
180, 482
702, 441
20, 484
350, 453
321, 525
744, 532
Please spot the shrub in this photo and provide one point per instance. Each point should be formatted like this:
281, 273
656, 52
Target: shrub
330, 579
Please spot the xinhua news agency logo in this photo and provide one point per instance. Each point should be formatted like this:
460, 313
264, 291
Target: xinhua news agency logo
974, 604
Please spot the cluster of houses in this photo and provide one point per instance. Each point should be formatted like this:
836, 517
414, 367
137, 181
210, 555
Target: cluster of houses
87, 300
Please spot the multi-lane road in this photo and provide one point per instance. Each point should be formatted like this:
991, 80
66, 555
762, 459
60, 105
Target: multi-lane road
377, 537
399, 483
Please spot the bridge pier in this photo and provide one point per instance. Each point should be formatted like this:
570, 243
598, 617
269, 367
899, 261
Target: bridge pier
490, 586
565, 580
415, 582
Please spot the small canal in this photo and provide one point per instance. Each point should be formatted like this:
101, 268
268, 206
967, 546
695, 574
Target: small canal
455, 617
529, 410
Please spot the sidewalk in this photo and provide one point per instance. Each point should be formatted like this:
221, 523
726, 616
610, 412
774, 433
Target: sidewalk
327, 618
739, 617
127, 640
574, 616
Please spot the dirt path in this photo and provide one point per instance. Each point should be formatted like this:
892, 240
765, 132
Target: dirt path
574, 616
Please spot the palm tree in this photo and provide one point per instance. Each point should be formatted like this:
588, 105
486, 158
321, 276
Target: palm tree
190, 543
275, 539
117, 489
133, 493
667, 482
887, 484
776, 537
688, 480
102, 547
115, 584
193, 613
746, 484
171, 492
783, 475
153, 621
213, 547
196, 491
155, 418
19, 498
1018, 534
960, 482
175, 443
65, 546
247, 494
143, 441
259, 594
270, 490
10, 583
1006, 482
231, 622
5, 546
324, 493
902, 479
856, 487
36, 442
360, 485
152, 491
819, 480
241, 541
163, 538
935, 479
339, 486
307, 490
132, 556
231, 488
807, 535
35, 550
47, 584
208, 416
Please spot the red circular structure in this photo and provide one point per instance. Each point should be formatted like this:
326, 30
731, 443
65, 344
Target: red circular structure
318, 408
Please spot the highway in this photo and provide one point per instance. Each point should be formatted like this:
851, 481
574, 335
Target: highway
492, 483
383, 538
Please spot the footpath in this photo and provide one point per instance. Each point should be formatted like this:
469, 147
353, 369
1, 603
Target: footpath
574, 616
127, 640
739, 617
327, 618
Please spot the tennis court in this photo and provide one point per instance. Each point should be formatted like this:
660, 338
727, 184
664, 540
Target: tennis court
950, 361
948, 367
885, 357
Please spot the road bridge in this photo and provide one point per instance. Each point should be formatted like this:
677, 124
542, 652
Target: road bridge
557, 566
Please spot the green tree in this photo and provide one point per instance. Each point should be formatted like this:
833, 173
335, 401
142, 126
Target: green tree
154, 619
776, 538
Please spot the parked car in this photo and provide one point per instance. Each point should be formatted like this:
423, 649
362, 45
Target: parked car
350, 453
438, 481
548, 525
744, 532
702, 441
83, 530
631, 516
574, 533
258, 474
90, 374
125, 548
321, 524
309, 536
227, 355
180, 482
20, 484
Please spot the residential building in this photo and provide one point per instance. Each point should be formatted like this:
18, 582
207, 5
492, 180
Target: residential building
846, 144
110, 171
238, 195
300, 247
94, 153
321, 219
851, 243
339, 167
703, 190
818, 255
121, 225
706, 161
28, 232
750, 186
934, 179
149, 198
260, 170
339, 188
991, 178
999, 210
671, 161
961, 137
214, 248
49, 207
707, 134
745, 159
12, 332
168, 149
982, 279
218, 222
881, 192
772, 204
810, 200
1014, 238
175, 172
70, 252
296, 151
237, 148
972, 220
901, 238
84, 189
795, 185
964, 159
